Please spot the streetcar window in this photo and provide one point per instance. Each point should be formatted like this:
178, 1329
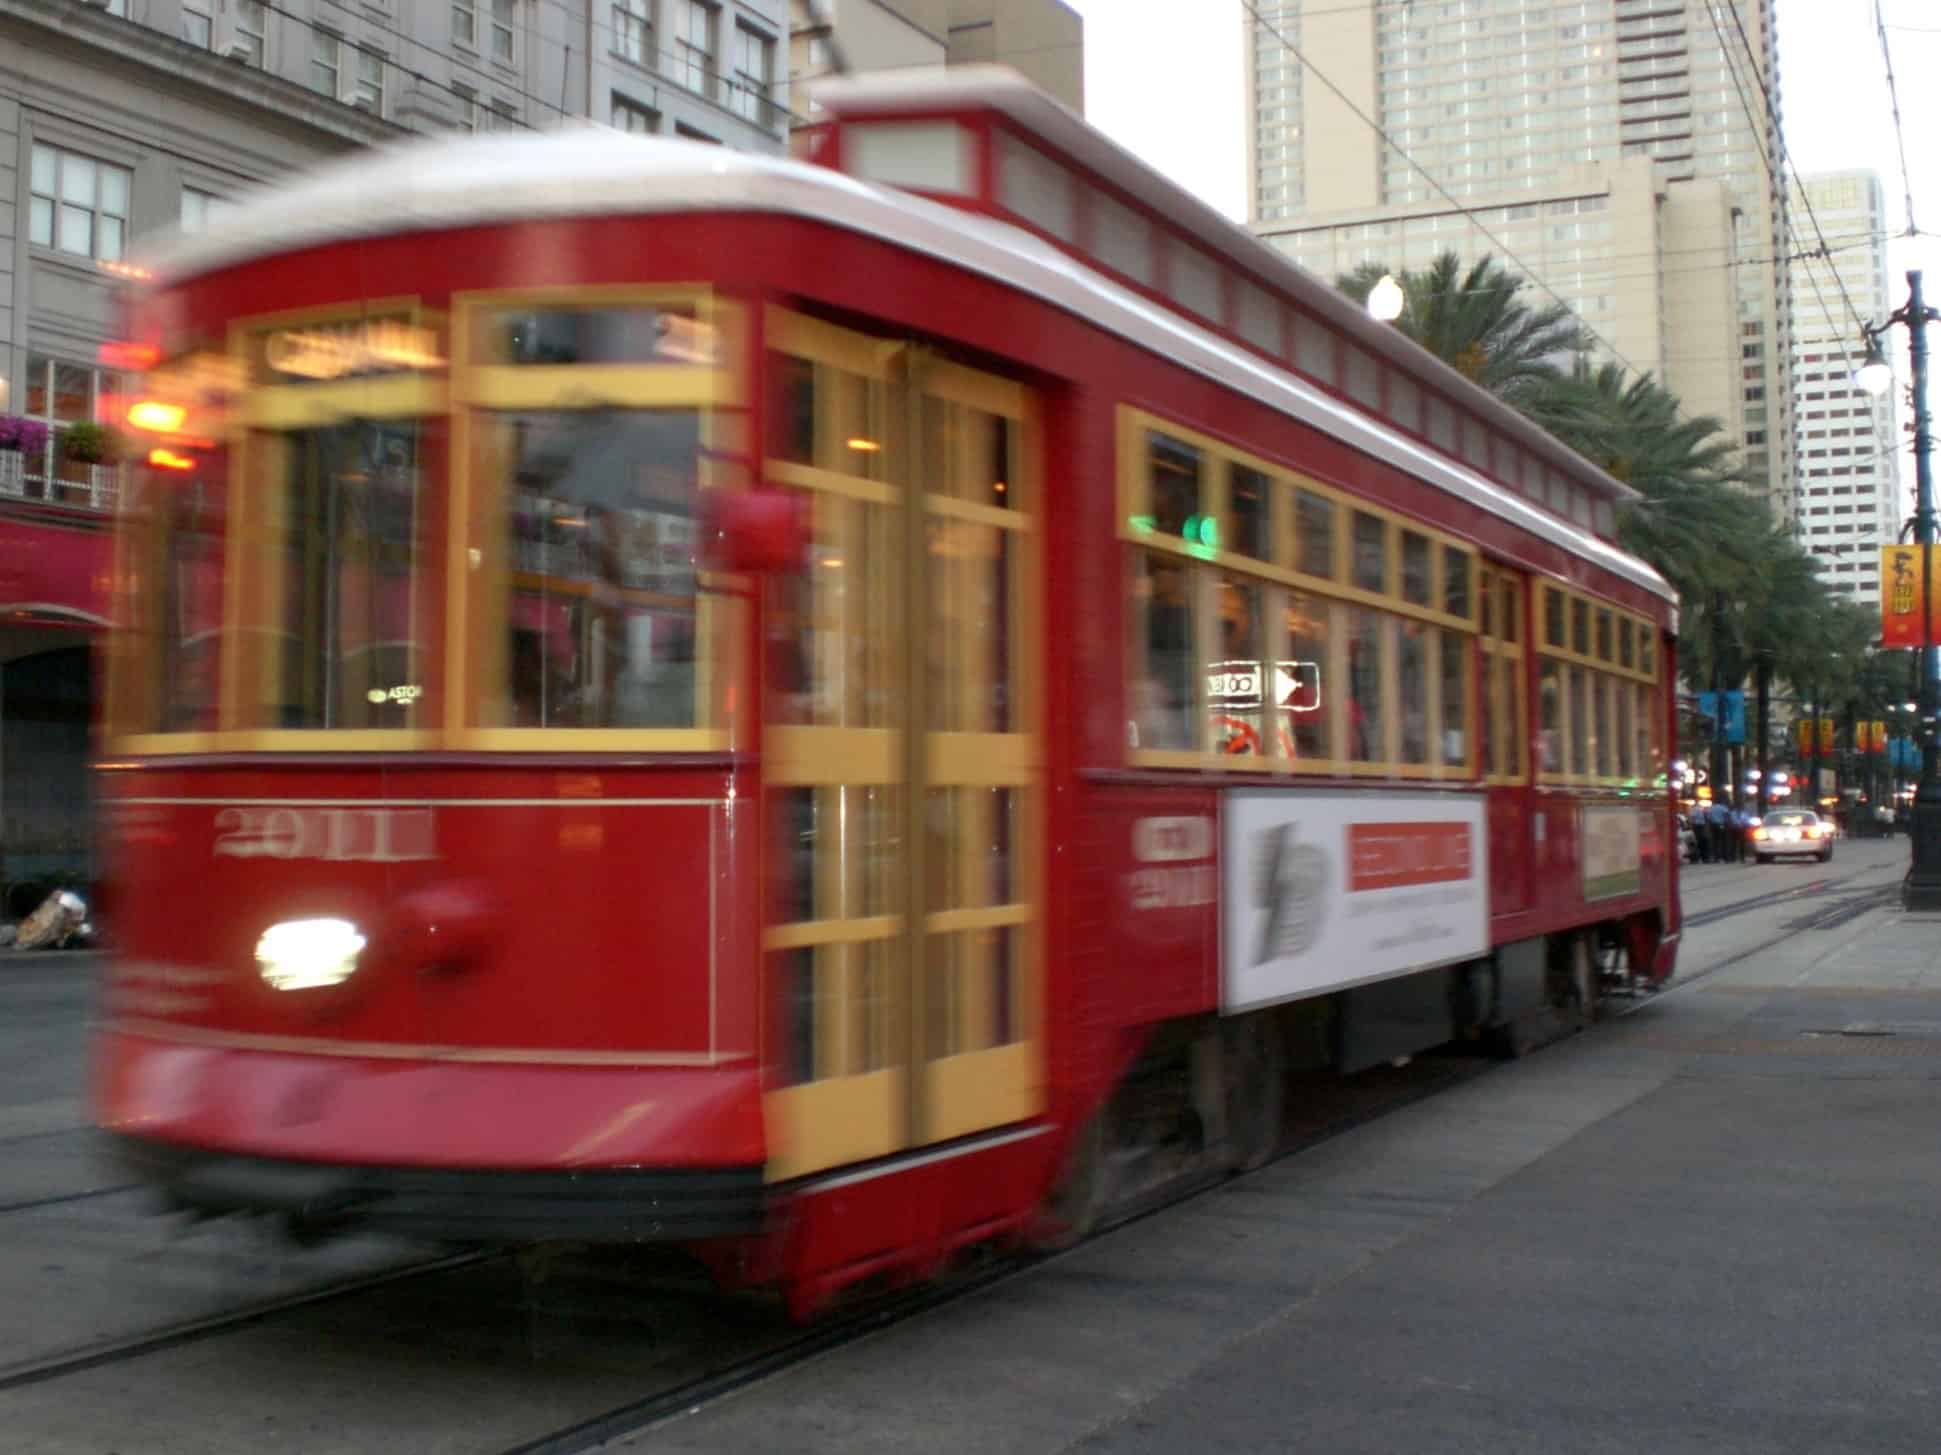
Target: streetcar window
1488, 602
970, 836
1647, 641
1415, 569
1603, 635
1307, 710
972, 641
794, 413
1236, 686
1314, 535
1550, 721
968, 453
1247, 493
1455, 699
1368, 648
1413, 679
603, 621
635, 334
1601, 708
177, 611
1509, 614
1503, 717
1626, 657
1455, 582
1164, 694
1553, 618
1627, 747
831, 419
1174, 472
1582, 729
1370, 552
1580, 628
346, 524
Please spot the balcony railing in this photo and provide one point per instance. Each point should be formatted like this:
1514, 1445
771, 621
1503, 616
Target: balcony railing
46, 480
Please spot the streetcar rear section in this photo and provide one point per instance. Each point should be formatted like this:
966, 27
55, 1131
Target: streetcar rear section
743, 707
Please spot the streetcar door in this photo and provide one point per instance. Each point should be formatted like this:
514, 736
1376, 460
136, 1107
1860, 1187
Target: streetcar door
902, 752
1506, 739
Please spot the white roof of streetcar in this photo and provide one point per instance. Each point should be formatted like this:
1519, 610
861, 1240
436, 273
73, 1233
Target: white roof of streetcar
438, 183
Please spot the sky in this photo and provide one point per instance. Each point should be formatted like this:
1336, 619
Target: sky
1173, 93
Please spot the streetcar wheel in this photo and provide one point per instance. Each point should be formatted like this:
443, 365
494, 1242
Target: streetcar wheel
1078, 1202
1580, 985
1763, 858
1255, 1066
1826, 855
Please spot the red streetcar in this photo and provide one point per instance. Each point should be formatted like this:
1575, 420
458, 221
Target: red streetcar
828, 711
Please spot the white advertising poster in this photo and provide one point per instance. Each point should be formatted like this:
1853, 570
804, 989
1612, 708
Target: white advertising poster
1321, 891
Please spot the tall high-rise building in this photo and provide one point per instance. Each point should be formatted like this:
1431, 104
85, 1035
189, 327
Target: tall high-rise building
1620, 152
1043, 39
1850, 488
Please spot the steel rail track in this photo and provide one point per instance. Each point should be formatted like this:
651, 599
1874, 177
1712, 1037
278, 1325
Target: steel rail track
189, 1331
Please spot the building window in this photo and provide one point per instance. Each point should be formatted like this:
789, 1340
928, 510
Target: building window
60, 395
369, 95
681, 128
199, 209
196, 28
78, 205
754, 71
633, 32
326, 62
468, 106
252, 31
694, 36
465, 23
639, 119
118, 8
502, 117
502, 31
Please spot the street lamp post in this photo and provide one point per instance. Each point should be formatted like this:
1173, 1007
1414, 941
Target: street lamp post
1922, 888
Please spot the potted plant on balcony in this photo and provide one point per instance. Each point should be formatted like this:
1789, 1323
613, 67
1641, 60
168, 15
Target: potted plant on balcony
21, 440
88, 450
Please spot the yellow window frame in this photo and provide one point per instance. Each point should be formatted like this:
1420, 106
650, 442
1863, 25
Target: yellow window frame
475, 619
1276, 581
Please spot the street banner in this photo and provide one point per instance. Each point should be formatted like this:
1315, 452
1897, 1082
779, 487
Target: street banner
1734, 728
1903, 598
1877, 737
1803, 734
1829, 735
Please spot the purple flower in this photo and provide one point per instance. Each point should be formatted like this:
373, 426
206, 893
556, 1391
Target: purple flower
29, 436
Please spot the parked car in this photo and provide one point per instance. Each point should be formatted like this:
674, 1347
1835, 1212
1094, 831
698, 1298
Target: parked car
1790, 833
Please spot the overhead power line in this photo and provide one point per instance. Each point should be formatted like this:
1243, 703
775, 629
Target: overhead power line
1280, 36
1894, 100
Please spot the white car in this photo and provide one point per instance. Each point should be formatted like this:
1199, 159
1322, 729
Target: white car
1792, 832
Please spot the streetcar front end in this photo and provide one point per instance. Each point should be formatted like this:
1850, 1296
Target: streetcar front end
425, 792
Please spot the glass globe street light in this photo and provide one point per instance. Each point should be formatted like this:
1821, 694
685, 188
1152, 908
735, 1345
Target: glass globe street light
1875, 375
1385, 299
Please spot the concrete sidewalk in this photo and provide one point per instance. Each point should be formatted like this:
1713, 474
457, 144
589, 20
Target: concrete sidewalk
1710, 1225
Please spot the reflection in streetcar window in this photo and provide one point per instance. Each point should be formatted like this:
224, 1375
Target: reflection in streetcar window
1163, 651
602, 627
348, 517
185, 645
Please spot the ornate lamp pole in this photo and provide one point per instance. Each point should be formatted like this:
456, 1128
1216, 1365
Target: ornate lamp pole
1922, 888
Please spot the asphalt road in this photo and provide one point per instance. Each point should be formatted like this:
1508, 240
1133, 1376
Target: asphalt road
1701, 1225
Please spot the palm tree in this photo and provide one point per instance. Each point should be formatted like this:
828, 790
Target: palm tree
1475, 322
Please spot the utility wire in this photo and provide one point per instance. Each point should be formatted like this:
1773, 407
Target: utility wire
1279, 35
1779, 140
1894, 99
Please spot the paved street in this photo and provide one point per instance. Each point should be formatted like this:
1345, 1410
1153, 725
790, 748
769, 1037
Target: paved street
1704, 1225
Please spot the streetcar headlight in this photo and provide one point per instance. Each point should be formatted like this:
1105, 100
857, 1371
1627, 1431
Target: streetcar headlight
307, 954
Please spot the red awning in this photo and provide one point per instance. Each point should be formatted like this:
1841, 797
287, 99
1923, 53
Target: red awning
55, 573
